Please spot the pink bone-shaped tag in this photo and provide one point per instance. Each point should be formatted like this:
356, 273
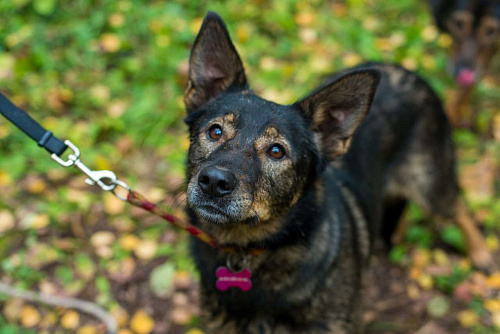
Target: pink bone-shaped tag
227, 279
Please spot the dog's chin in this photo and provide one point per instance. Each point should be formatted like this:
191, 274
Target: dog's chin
213, 215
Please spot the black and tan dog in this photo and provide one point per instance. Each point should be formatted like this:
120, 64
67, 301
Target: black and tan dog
474, 26
302, 184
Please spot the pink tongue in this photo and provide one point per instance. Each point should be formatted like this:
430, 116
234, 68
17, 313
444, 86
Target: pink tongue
466, 77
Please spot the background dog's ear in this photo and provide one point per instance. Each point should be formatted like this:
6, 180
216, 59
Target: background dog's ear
214, 64
337, 109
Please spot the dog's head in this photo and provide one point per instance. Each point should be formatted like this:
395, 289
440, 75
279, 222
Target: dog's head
475, 28
250, 159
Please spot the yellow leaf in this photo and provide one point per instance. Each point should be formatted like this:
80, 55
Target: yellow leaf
243, 32
120, 316
445, 40
409, 63
125, 331
421, 258
468, 318
196, 25
30, 317
425, 281
440, 257
7, 221
495, 318
146, 249
129, 242
494, 281
492, 305
141, 323
110, 42
492, 243
102, 238
413, 291
429, 33
113, 205
116, 20
194, 331
12, 309
5, 178
351, 59
70, 320
87, 330
40, 221
37, 186
180, 316
305, 18
4, 129
49, 320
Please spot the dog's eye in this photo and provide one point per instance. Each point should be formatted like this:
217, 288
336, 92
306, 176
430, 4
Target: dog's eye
490, 32
215, 132
276, 152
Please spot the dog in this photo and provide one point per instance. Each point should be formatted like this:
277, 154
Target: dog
304, 190
474, 26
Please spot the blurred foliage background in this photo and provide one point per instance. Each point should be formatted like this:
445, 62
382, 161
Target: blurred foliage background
109, 76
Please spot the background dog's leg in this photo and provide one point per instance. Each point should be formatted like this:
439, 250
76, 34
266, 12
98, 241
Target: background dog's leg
476, 244
460, 109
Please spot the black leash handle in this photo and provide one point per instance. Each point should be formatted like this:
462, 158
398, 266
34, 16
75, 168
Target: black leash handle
29, 126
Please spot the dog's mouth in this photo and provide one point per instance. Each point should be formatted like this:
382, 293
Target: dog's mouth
212, 214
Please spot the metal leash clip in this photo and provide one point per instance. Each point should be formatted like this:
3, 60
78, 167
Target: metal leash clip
105, 179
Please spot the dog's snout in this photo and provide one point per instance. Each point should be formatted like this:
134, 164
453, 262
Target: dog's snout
216, 182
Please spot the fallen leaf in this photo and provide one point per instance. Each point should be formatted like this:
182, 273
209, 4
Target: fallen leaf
116, 20
49, 320
141, 323
12, 309
30, 317
438, 306
182, 279
146, 249
7, 221
112, 204
70, 320
468, 318
180, 316
87, 330
494, 281
495, 318
492, 305
120, 315
129, 242
161, 281
110, 42
102, 238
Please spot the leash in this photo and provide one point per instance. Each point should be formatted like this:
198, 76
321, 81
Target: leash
105, 179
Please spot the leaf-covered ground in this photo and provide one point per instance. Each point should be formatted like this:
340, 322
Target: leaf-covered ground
109, 76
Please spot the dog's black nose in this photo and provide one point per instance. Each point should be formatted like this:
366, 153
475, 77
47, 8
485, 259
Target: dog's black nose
216, 182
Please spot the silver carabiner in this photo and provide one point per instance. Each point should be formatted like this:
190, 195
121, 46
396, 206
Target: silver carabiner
105, 179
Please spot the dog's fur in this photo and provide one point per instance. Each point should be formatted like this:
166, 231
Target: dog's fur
474, 26
317, 210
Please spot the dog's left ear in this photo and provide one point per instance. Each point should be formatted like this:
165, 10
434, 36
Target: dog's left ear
337, 109
214, 64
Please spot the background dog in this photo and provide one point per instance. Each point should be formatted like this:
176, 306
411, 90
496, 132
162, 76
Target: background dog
475, 28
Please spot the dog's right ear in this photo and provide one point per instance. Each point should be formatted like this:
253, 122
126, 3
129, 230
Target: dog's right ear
214, 64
